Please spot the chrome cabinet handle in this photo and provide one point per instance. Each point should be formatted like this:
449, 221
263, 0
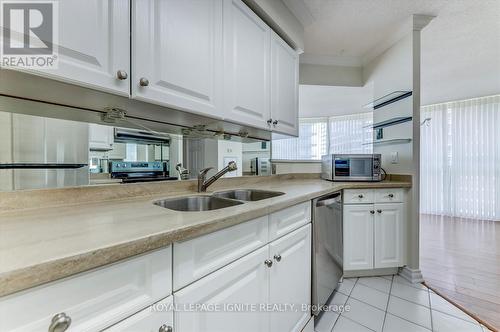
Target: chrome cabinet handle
391, 195
143, 81
269, 121
268, 262
121, 75
277, 257
275, 123
165, 328
379, 211
60, 323
360, 196
372, 212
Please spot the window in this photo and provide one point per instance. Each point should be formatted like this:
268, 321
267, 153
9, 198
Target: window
460, 158
310, 145
351, 133
319, 136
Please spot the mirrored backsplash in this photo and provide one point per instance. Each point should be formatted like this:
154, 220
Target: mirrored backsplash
41, 152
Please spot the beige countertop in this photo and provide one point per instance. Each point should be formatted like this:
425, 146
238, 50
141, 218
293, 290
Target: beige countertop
53, 241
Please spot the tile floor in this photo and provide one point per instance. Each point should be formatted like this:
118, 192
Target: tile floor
391, 304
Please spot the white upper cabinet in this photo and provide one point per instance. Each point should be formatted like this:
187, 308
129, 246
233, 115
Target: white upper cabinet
177, 54
247, 66
284, 86
94, 45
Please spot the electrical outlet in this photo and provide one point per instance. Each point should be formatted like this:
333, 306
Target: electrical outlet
394, 158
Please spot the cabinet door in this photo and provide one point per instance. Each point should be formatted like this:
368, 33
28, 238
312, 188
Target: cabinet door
150, 319
243, 282
284, 86
358, 237
177, 48
247, 66
94, 44
388, 235
290, 282
100, 137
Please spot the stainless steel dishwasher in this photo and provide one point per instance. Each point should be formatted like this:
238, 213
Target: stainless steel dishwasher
328, 250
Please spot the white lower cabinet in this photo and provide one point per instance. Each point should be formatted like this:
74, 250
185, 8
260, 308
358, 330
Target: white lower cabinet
195, 258
158, 317
234, 279
243, 282
358, 237
373, 233
290, 279
388, 228
284, 221
266, 290
93, 300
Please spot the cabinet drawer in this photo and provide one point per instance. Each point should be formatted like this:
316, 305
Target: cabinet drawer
194, 259
358, 196
93, 300
289, 219
149, 319
389, 195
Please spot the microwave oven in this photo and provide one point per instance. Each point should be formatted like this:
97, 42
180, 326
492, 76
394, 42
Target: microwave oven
351, 167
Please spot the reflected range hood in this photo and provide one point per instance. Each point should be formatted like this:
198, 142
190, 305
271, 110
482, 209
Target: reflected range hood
123, 135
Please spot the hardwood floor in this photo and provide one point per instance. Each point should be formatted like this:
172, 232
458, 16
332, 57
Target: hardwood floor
461, 259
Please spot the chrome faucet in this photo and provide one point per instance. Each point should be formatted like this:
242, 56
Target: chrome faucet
204, 184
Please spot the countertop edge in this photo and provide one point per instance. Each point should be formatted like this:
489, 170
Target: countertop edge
35, 275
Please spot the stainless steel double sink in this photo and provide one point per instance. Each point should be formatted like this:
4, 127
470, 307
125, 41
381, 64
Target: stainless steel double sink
218, 200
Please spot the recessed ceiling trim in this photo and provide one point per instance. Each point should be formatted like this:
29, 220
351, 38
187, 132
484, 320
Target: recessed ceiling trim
330, 60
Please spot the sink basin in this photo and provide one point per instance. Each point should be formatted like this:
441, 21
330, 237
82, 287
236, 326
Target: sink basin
247, 194
196, 203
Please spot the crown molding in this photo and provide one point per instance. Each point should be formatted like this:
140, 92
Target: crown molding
330, 60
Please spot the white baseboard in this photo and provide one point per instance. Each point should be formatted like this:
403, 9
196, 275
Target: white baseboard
370, 272
412, 275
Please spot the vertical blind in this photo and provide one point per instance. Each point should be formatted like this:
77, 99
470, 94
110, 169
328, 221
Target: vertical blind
460, 159
351, 133
319, 136
310, 145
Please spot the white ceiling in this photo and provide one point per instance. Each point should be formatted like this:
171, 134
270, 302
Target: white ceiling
460, 47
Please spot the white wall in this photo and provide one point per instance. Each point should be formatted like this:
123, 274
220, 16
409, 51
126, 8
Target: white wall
232, 151
392, 71
398, 68
315, 74
326, 101
297, 167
